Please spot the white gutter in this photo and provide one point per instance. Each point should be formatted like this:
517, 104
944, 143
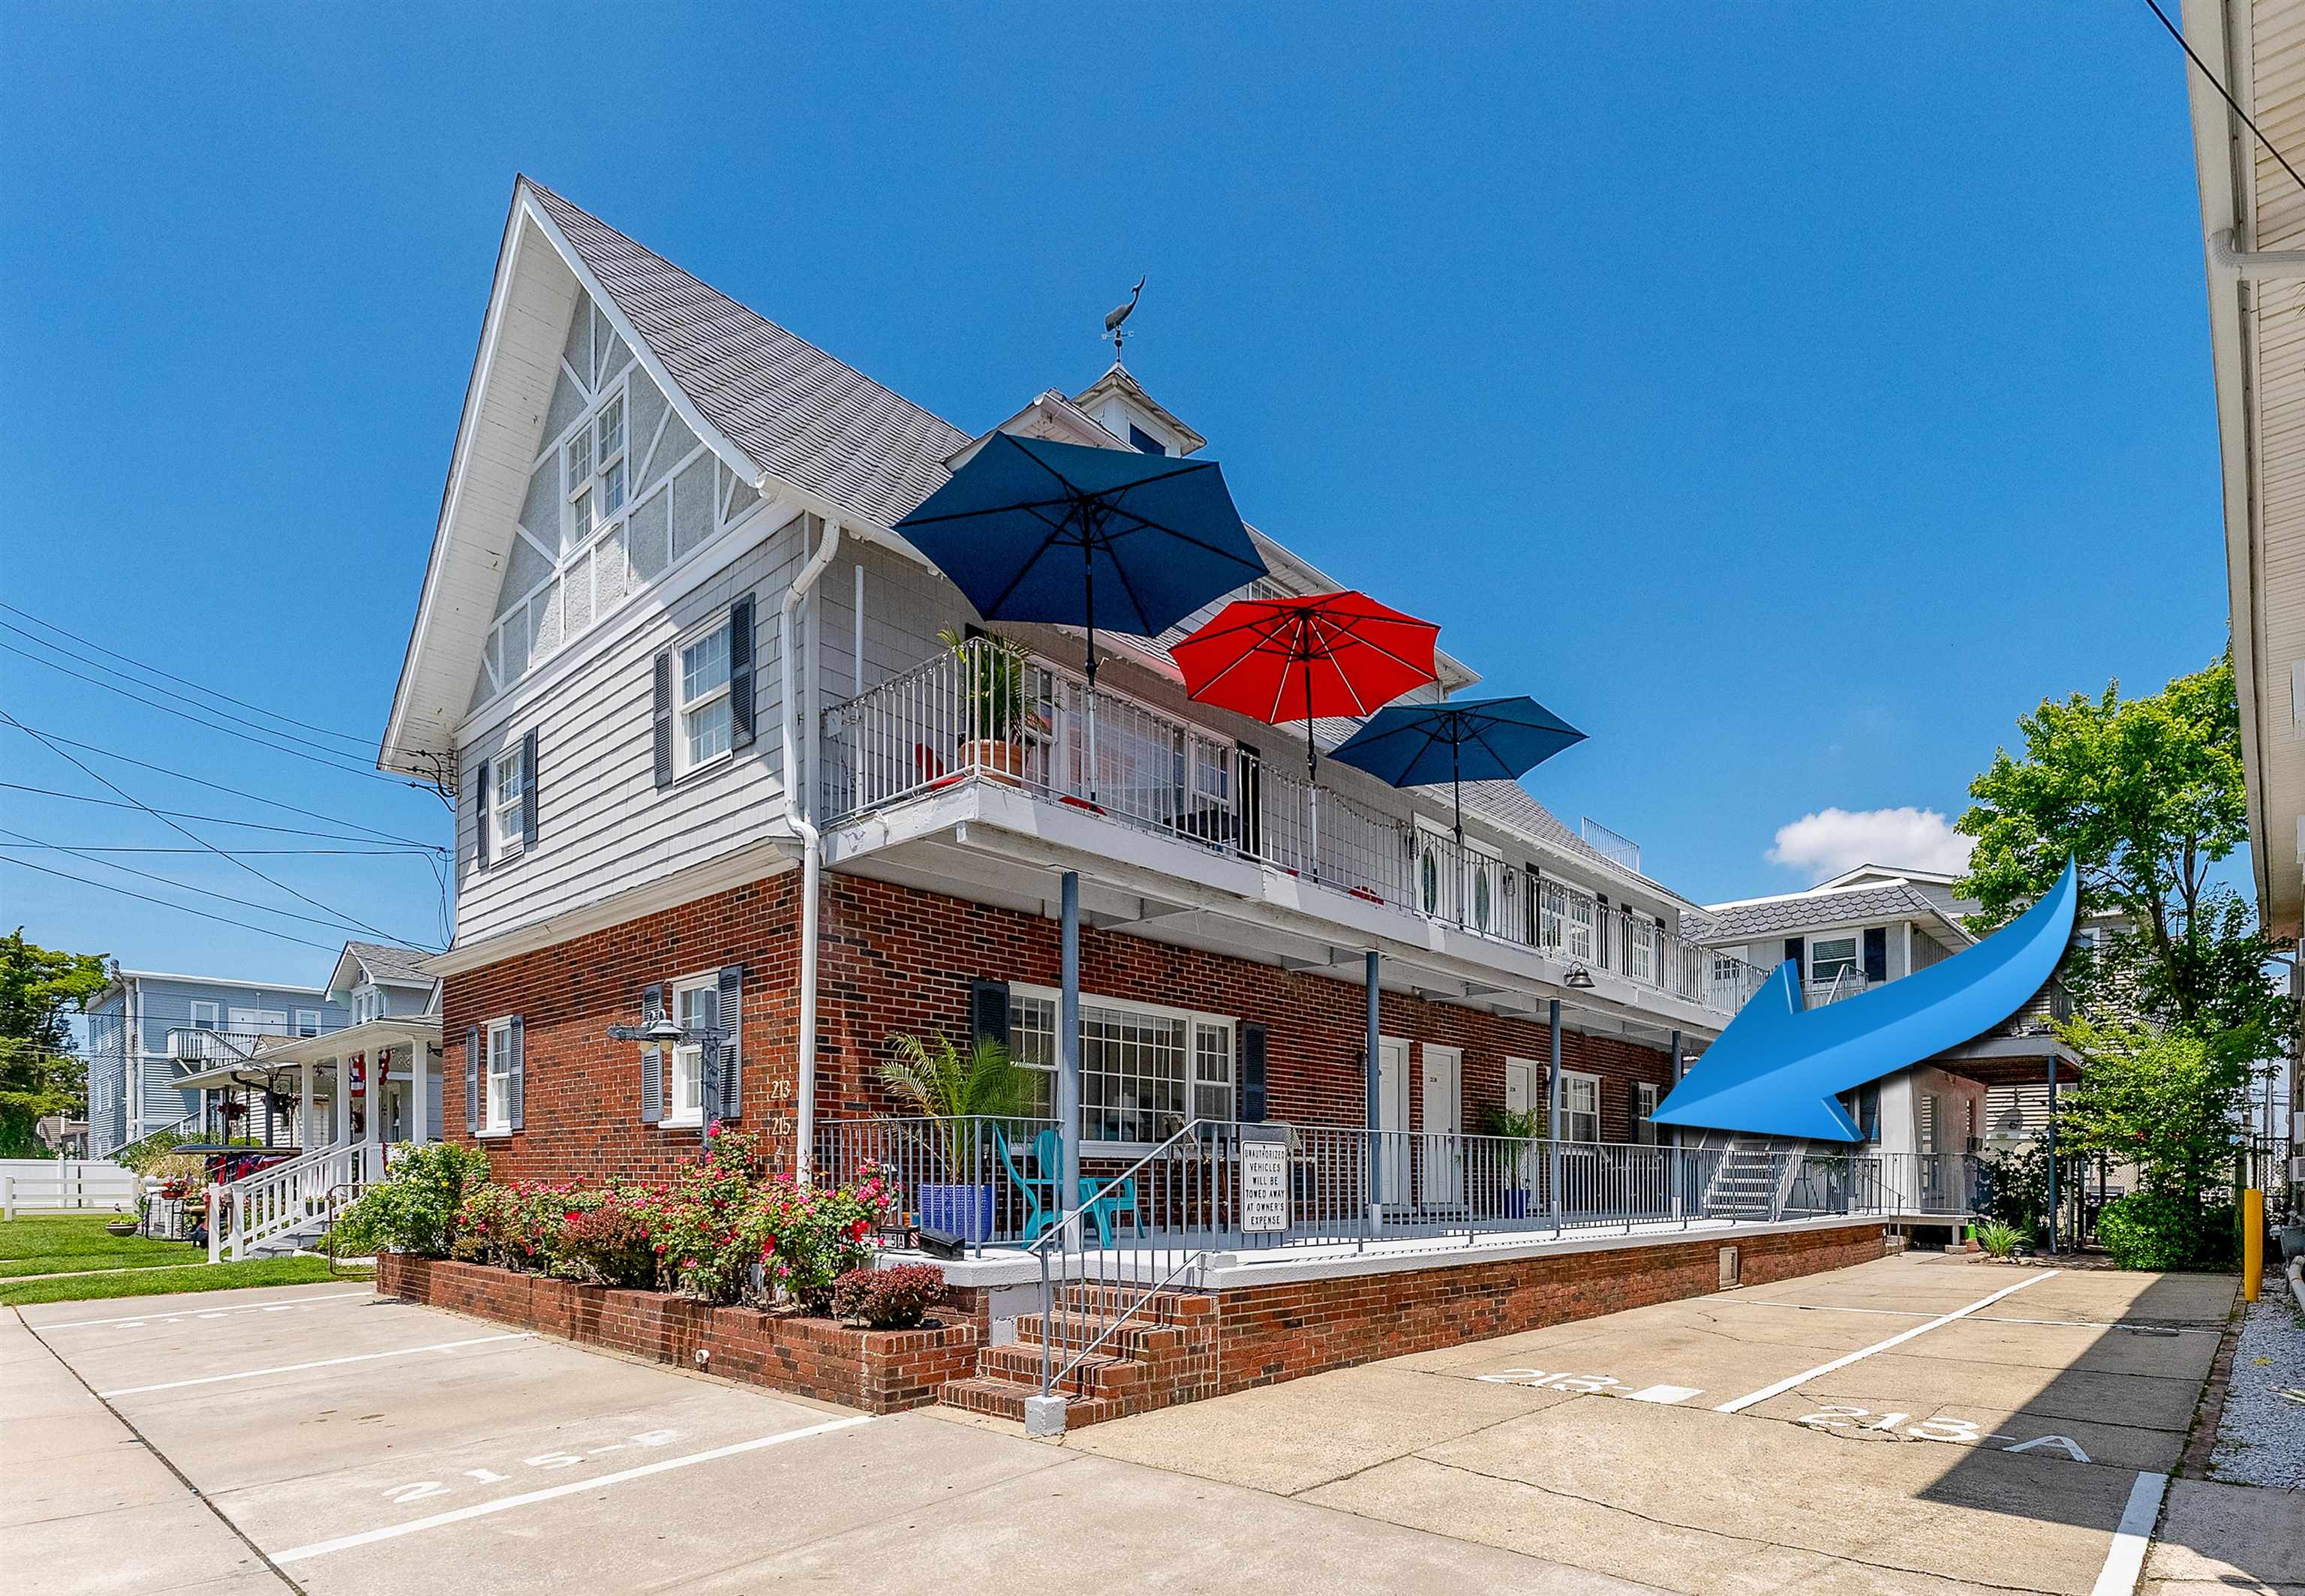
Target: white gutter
811, 844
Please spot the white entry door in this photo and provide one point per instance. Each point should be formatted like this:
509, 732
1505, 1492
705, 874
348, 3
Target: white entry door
1444, 1123
1524, 1091
1392, 1117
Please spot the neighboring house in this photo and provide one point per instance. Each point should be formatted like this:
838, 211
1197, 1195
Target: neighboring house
648, 720
149, 1033
1877, 924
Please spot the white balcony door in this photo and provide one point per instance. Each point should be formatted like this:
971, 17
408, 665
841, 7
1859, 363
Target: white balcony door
1392, 1116
1524, 1092
1444, 1109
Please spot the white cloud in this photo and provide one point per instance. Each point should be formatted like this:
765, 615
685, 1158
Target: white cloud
1833, 840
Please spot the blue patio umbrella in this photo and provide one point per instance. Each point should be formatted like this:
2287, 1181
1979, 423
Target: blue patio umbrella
1066, 534
1423, 746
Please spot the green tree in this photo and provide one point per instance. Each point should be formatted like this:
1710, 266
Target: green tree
2167, 1100
2146, 795
38, 1073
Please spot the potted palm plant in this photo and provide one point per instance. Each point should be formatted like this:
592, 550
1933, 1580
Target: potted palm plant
1521, 1127
992, 672
957, 1090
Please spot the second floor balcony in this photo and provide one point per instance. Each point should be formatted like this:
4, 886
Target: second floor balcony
985, 714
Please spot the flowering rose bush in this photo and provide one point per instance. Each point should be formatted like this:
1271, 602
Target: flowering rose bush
608, 1238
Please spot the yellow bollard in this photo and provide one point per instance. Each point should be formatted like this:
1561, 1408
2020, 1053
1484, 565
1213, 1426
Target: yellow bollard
2252, 1243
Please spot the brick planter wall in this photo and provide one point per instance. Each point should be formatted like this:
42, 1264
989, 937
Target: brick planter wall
881, 1371
1266, 1333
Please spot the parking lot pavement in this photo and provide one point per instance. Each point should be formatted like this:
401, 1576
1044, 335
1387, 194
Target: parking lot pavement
332, 1442
1922, 1424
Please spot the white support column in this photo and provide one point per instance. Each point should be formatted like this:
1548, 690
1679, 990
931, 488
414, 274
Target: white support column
419, 1082
380, 1072
344, 1100
304, 1127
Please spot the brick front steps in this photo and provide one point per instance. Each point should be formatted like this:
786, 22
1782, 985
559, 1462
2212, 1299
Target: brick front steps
881, 1371
1271, 1322
1161, 1352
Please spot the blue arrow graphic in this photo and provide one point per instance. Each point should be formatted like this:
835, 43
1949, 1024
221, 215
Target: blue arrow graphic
1778, 1069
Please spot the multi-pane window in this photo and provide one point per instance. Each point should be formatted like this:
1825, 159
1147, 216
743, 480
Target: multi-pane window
705, 727
1645, 1108
1831, 958
1580, 1106
1145, 1072
497, 1101
507, 786
1642, 944
696, 1005
594, 471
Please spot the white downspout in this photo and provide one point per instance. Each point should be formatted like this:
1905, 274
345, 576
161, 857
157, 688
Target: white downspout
811, 845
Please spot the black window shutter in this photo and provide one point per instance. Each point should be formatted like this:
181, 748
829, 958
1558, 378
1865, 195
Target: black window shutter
471, 1079
481, 803
1876, 954
651, 1059
528, 791
1793, 946
1253, 1099
731, 1009
988, 1011
740, 672
664, 720
516, 1092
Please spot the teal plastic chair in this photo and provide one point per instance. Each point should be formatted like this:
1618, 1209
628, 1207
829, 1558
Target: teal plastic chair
1039, 1191
1105, 1209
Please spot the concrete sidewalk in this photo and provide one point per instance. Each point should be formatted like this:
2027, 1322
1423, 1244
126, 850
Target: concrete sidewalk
85, 1507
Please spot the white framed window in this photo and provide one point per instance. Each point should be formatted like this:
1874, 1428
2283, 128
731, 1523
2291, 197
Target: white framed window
508, 787
1580, 1106
1145, 1069
496, 1096
367, 1003
308, 1021
1646, 1096
703, 728
207, 1015
1643, 941
1832, 958
696, 1007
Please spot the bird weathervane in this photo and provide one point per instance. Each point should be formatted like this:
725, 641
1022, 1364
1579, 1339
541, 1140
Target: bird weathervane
1120, 314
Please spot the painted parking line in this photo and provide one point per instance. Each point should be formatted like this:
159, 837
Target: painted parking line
319, 1549
42, 1327
360, 1357
1739, 1405
2125, 1562
2067, 1324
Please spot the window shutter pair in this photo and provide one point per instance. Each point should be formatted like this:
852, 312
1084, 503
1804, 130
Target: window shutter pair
1254, 1107
988, 1011
652, 1060
481, 807
471, 1079
743, 725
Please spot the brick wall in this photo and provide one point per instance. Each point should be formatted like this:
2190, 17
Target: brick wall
896, 960
1267, 1334
881, 1371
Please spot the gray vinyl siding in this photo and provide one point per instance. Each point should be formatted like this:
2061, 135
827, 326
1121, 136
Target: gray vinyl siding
602, 826
130, 1078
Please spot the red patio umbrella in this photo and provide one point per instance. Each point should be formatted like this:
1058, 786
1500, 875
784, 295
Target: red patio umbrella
1301, 658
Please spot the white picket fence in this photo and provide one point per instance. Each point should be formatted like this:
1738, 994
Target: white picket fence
64, 1185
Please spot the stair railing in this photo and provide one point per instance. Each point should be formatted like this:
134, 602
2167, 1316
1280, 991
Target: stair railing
252, 1211
1102, 1275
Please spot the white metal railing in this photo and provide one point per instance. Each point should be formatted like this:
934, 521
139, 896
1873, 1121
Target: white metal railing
198, 1045
987, 712
286, 1197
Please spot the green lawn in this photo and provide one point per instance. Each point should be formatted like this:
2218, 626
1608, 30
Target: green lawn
58, 1244
162, 1282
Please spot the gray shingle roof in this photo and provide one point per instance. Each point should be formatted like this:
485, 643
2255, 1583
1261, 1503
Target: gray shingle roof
384, 962
1737, 922
794, 408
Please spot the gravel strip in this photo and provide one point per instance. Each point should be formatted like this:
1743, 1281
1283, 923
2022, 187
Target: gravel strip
2261, 1441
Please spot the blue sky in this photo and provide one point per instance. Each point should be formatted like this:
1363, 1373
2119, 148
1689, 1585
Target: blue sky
1789, 395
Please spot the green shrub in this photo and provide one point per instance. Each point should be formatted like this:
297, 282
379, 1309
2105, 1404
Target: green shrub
140, 1156
1997, 1239
2158, 1230
414, 1208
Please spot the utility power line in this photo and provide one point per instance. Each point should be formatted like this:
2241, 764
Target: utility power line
244, 853
333, 924
195, 836
53, 737
344, 837
164, 904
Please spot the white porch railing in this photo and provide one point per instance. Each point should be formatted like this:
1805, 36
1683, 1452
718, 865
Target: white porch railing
286, 1197
198, 1046
955, 718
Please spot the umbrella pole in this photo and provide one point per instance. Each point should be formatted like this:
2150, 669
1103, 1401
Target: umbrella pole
1312, 769
1457, 790
1088, 594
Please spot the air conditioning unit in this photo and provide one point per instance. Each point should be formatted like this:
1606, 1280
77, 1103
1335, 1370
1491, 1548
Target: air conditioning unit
2297, 1168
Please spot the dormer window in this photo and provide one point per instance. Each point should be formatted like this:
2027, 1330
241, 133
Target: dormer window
1144, 442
